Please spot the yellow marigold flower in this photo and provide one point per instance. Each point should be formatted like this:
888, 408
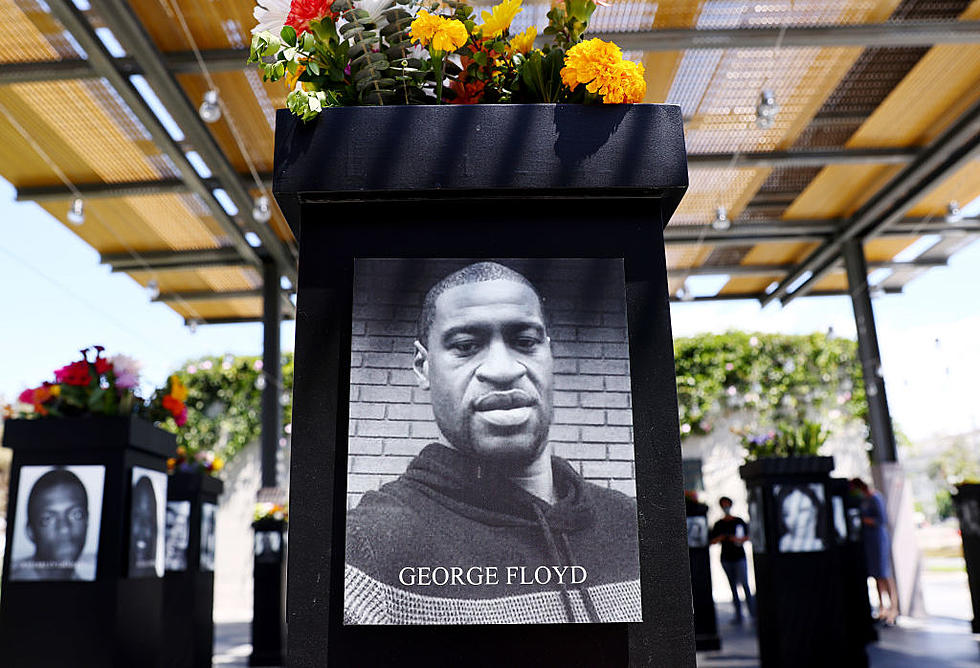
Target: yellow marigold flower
522, 43
624, 83
177, 389
499, 19
438, 32
587, 60
217, 464
55, 390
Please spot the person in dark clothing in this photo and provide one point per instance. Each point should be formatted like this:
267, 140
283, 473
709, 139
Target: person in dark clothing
732, 532
490, 527
878, 549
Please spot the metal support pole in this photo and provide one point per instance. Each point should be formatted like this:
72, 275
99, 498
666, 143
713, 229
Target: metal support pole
272, 372
882, 434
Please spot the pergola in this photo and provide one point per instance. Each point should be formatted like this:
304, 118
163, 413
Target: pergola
829, 142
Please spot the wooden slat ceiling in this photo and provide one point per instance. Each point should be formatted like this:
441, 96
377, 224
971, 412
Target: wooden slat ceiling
830, 98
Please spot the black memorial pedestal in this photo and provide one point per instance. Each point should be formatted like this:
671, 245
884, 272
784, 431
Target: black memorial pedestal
480, 181
114, 620
967, 500
268, 614
845, 510
188, 600
705, 618
799, 595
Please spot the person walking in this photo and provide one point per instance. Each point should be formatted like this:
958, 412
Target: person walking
878, 549
732, 532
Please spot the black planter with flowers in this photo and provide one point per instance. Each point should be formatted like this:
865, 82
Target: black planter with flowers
797, 562
967, 499
82, 573
188, 602
480, 181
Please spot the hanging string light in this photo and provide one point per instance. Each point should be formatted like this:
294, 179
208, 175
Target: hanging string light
766, 109
262, 211
954, 214
153, 288
721, 221
76, 214
210, 110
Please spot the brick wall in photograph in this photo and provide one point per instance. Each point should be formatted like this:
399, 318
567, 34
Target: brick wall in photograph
391, 418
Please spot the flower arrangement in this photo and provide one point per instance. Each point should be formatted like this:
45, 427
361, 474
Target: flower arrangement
271, 511
196, 461
100, 385
377, 52
786, 440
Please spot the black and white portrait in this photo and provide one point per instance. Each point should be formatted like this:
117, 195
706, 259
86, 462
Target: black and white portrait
840, 517
147, 523
697, 531
56, 528
969, 516
490, 444
209, 512
757, 528
178, 535
801, 509
854, 524
268, 547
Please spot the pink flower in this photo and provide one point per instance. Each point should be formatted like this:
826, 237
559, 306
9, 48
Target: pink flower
127, 371
181, 418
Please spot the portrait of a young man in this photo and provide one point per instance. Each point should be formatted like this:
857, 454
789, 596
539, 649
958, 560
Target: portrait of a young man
511, 512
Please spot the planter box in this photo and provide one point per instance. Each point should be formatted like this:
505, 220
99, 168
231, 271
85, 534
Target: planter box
705, 617
797, 561
268, 609
967, 500
104, 616
480, 181
189, 593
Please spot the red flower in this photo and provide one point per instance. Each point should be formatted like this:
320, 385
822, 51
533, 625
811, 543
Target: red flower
174, 405
27, 396
467, 93
75, 373
301, 12
102, 365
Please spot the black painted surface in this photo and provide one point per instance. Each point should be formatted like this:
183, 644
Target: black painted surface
268, 613
705, 617
188, 596
970, 533
114, 621
799, 595
483, 181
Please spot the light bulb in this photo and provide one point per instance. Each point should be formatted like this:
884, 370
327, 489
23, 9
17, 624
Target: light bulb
192, 325
721, 221
154, 288
209, 110
766, 109
262, 211
76, 214
954, 213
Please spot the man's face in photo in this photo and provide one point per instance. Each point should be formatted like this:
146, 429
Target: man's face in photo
59, 526
144, 523
488, 364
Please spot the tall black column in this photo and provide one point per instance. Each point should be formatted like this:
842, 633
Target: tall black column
272, 371
882, 434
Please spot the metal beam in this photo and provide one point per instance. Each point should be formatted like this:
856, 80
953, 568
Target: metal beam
954, 148
180, 62
882, 433
736, 297
803, 158
58, 192
773, 269
205, 296
892, 33
174, 260
119, 17
72, 19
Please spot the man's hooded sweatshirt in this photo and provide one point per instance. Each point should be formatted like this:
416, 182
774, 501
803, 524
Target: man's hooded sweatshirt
418, 548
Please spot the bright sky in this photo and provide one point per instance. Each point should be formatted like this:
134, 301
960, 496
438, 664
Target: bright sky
56, 298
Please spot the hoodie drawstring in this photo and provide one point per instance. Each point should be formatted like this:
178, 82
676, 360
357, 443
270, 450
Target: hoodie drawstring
556, 555
553, 548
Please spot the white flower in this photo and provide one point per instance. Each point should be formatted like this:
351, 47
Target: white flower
271, 15
375, 9
316, 101
126, 370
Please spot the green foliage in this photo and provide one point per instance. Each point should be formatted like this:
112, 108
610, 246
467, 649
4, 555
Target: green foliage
224, 403
781, 378
956, 463
944, 505
787, 440
539, 72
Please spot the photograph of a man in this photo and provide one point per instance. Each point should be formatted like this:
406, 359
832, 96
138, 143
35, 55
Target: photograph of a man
147, 526
488, 525
209, 513
56, 530
178, 535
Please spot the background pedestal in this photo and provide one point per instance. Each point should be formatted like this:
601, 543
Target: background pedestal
114, 621
268, 608
188, 600
967, 500
705, 616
